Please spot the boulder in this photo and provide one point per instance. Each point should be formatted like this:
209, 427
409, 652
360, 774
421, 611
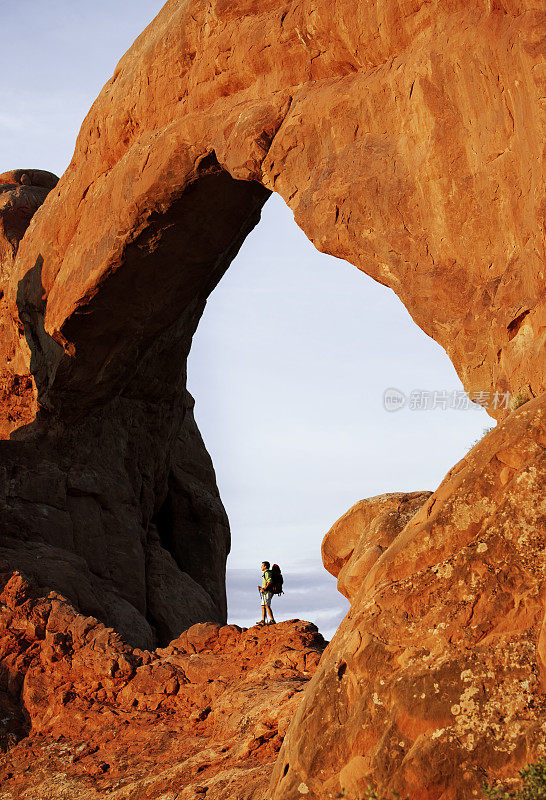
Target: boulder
355, 542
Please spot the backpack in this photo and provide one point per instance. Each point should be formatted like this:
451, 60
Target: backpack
276, 579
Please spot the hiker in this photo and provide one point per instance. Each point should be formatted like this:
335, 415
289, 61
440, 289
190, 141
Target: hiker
266, 594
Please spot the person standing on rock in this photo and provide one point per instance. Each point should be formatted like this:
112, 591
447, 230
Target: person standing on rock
266, 594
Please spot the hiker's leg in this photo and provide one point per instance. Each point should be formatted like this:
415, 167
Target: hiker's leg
266, 605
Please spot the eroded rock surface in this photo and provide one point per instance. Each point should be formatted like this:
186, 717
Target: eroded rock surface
85, 715
355, 542
436, 677
21, 194
406, 137
110, 497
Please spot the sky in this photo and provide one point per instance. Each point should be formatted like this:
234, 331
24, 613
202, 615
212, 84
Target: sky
293, 355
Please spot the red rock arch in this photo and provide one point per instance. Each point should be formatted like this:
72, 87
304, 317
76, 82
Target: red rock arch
353, 115
406, 137
125, 515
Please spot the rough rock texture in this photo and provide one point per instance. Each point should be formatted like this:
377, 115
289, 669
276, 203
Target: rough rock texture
88, 716
353, 545
406, 135
114, 503
131, 535
437, 675
21, 194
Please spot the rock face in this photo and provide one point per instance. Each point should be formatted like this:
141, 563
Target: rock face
114, 502
205, 715
353, 545
407, 140
133, 536
437, 675
21, 194
110, 497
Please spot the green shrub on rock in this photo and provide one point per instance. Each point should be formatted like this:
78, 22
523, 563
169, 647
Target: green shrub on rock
533, 787
533, 780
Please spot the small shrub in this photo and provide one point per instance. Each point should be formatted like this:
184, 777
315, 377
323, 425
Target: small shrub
485, 432
533, 780
533, 787
518, 400
371, 794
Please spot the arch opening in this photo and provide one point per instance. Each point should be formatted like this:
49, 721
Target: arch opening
288, 367
137, 513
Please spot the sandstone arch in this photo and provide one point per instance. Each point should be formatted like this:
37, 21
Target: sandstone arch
386, 159
406, 137
110, 504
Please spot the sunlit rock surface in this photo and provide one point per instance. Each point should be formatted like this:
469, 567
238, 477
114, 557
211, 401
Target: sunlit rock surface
407, 137
85, 715
437, 675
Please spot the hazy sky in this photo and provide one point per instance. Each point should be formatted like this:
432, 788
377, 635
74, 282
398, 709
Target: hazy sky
293, 354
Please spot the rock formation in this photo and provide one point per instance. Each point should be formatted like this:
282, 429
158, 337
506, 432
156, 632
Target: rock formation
205, 715
436, 677
21, 194
407, 137
353, 545
109, 496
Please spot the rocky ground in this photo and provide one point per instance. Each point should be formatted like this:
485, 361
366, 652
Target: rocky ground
85, 715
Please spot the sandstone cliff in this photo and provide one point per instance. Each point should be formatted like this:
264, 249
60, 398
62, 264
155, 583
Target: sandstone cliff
436, 677
407, 136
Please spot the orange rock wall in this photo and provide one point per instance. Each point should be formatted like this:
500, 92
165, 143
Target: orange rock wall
406, 136
436, 677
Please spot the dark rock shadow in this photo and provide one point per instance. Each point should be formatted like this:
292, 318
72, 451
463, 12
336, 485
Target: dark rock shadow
44, 351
